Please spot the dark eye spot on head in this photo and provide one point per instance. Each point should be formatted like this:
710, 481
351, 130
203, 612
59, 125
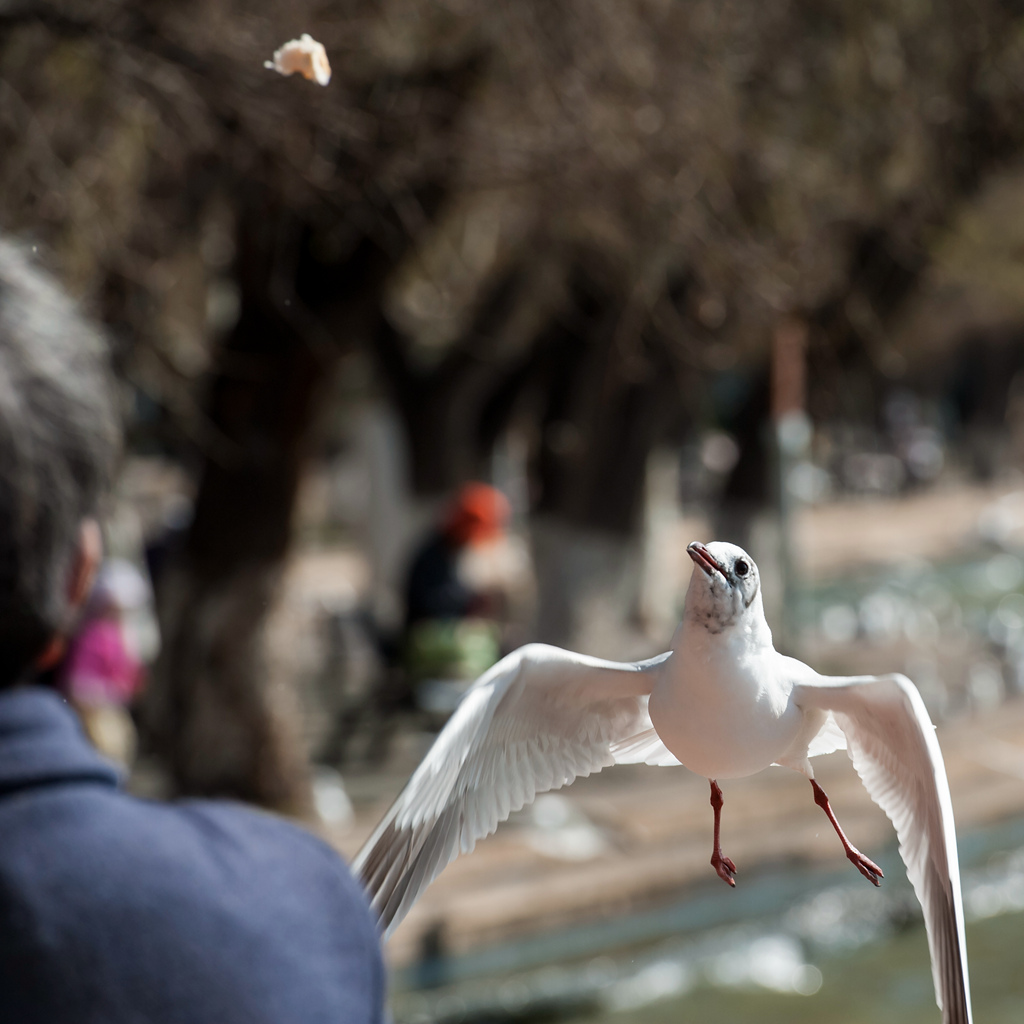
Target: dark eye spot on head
741, 568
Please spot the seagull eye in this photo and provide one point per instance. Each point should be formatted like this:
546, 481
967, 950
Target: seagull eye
741, 568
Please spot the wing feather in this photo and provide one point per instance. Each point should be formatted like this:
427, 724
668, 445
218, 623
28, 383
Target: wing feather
892, 743
829, 738
537, 720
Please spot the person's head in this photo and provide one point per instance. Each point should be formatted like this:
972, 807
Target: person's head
59, 439
478, 514
119, 589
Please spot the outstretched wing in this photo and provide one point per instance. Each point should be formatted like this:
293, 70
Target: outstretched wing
892, 743
534, 722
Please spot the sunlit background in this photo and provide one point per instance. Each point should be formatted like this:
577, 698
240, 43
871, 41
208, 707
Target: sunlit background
658, 271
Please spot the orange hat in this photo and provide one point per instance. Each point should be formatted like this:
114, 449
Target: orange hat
478, 514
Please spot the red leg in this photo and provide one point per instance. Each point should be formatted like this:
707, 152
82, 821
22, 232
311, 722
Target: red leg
868, 868
725, 867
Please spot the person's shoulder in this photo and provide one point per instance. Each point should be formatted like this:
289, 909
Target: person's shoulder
210, 842
237, 845
258, 833
232, 846
231, 819
219, 889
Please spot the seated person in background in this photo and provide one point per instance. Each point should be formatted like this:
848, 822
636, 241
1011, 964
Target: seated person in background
101, 674
451, 628
114, 909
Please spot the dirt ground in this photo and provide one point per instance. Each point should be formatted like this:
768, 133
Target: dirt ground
931, 525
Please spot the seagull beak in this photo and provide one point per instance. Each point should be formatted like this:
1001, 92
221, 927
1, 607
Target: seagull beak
700, 554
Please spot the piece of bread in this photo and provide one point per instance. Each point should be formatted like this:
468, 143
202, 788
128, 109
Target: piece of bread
303, 55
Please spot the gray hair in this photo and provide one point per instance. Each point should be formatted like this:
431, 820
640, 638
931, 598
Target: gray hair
59, 440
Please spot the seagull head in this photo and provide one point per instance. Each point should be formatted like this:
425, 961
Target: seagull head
725, 589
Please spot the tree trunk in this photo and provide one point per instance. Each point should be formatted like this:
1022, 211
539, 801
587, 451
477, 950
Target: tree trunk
226, 728
452, 412
587, 589
223, 727
610, 393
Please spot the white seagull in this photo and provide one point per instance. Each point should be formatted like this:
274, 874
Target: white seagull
724, 703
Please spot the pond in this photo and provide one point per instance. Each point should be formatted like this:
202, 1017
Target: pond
885, 982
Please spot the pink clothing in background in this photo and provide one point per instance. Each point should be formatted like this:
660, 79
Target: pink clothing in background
99, 668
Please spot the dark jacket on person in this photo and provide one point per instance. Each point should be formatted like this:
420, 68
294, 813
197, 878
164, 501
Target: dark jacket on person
434, 589
115, 909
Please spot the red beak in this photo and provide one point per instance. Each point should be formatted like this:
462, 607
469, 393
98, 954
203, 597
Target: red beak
700, 554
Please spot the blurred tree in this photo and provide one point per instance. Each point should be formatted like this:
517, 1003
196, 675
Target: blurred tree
559, 214
303, 265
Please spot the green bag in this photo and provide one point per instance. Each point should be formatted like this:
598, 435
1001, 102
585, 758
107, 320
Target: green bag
456, 649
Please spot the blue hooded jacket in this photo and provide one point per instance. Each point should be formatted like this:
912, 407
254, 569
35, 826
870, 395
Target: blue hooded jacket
116, 910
